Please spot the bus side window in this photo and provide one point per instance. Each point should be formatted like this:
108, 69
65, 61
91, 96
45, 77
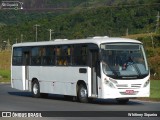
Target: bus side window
80, 55
67, 55
76, 54
17, 56
35, 56
58, 54
71, 55
51, 55
63, 55
84, 53
43, 56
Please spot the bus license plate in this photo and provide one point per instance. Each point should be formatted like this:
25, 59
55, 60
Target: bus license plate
129, 91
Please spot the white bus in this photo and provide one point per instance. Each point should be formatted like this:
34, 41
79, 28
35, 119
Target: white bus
99, 67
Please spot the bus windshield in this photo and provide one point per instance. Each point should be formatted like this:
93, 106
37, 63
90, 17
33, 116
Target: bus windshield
124, 61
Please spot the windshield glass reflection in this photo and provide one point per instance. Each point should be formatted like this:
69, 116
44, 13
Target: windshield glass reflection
124, 61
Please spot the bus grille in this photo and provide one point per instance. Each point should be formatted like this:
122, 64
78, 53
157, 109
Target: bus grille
135, 85
122, 86
126, 86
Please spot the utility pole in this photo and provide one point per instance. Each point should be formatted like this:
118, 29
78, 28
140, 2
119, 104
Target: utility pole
16, 40
21, 38
127, 32
152, 40
8, 45
157, 25
50, 34
36, 25
4, 45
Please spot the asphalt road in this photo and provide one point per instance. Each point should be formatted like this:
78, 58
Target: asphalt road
15, 100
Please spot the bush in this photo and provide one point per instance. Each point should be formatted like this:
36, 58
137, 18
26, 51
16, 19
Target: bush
5, 75
154, 64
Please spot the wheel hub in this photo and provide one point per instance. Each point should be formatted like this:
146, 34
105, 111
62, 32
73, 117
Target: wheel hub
35, 88
83, 92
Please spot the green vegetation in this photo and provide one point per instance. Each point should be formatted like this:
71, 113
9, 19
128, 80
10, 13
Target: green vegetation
154, 62
98, 18
98, 21
155, 89
81, 19
5, 76
5, 61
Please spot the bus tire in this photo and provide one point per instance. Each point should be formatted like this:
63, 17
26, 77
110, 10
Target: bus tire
36, 89
82, 94
44, 95
123, 100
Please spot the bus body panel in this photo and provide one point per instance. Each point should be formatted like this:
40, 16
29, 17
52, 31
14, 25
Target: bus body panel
65, 83
18, 77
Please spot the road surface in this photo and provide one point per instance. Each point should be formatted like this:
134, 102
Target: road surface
15, 100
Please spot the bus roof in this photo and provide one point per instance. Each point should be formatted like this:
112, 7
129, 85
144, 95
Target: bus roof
95, 40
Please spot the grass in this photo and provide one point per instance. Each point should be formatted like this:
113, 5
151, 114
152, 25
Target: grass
155, 89
5, 60
5, 75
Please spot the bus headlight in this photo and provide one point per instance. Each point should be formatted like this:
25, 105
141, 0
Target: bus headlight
146, 83
113, 81
110, 84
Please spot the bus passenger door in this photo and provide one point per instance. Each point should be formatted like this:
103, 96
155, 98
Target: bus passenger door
94, 73
26, 61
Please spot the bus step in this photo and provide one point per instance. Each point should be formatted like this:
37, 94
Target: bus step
94, 95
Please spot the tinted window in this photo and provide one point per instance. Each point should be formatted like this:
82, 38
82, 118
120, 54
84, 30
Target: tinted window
63, 55
80, 55
17, 56
35, 56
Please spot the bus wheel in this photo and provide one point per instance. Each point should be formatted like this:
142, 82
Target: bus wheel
82, 94
35, 89
122, 100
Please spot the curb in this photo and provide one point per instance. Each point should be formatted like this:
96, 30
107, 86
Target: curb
141, 100
149, 99
4, 82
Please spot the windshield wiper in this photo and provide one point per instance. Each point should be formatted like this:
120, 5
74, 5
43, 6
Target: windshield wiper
137, 69
114, 72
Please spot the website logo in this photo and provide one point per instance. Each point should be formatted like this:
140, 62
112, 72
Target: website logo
6, 114
12, 5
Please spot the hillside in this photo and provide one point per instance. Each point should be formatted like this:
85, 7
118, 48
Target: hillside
32, 4
75, 19
40, 9
85, 23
